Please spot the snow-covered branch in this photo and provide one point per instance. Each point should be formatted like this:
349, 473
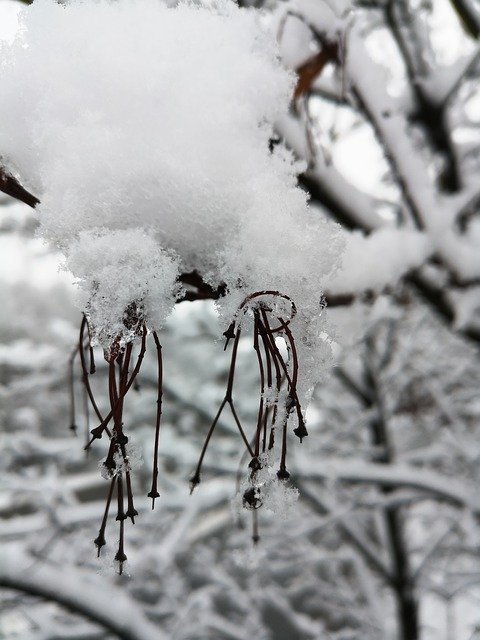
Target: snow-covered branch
93, 599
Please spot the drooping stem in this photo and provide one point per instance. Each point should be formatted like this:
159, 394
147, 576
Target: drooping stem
100, 539
86, 381
120, 556
153, 494
87, 416
195, 479
131, 512
262, 385
233, 361
292, 401
98, 431
228, 399
278, 377
255, 529
240, 428
71, 386
92, 360
120, 512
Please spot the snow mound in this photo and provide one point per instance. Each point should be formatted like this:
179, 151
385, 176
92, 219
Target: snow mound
144, 130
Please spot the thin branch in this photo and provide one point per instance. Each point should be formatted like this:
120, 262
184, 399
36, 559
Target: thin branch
11, 186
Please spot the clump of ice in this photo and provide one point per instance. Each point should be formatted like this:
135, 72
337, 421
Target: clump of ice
263, 489
280, 499
123, 273
133, 460
144, 130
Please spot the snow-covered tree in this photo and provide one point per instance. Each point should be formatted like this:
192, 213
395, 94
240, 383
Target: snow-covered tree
160, 147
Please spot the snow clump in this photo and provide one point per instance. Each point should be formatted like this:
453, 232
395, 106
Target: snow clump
145, 131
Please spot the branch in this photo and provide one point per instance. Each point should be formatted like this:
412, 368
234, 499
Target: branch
437, 298
394, 475
11, 186
370, 553
200, 290
426, 111
326, 185
97, 600
468, 17
431, 484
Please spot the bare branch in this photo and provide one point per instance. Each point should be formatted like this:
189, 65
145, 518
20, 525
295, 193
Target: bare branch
469, 18
11, 186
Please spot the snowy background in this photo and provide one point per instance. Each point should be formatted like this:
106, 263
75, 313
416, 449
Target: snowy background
383, 542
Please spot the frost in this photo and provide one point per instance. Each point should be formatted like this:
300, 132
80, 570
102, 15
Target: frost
134, 456
106, 565
133, 460
144, 130
263, 489
104, 470
280, 499
118, 268
250, 559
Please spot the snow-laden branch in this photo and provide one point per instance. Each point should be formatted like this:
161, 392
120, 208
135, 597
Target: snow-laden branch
431, 210
369, 552
436, 213
393, 475
327, 184
212, 494
89, 596
469, 16
398, 251
429, 483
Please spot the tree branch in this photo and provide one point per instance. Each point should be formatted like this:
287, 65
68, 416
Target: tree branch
395, 475
11, 186
430, 115
100, 602
468, 17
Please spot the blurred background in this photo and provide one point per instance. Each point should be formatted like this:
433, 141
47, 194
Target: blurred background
383, 542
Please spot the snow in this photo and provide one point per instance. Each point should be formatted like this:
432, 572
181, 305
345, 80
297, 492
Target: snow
77, 590
9, 23
281, 499
132, 461
466, 305
445, 26
115, 268
395, 474
114, 115
264, 489
397, 250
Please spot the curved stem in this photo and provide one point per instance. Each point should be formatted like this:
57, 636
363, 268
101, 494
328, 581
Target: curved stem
86, 381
